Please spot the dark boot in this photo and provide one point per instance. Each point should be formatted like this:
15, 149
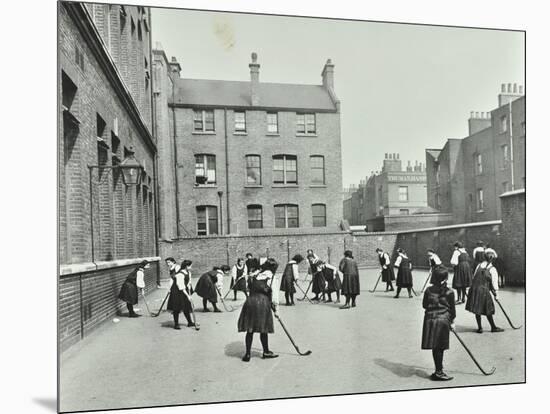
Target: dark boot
397, 293
478, 320
176, 320
205, 305
410, 294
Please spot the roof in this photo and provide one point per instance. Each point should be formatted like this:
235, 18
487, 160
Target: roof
434, 153
222, 93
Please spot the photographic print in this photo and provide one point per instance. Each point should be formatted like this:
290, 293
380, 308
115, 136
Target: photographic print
256, 207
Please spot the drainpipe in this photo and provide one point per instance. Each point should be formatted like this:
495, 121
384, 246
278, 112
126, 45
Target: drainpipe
177, 192
511, 147
226, 171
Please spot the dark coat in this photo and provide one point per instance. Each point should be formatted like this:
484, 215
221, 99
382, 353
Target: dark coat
350, 284
439, 303
479, 299
256, 313
128, 290
252, 264
287, 281
334, 284
206, 286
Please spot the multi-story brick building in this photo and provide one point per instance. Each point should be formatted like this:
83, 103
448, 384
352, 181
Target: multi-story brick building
467, 176
105, 116
247, 157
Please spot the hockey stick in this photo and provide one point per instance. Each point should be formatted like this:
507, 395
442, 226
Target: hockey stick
290, 337
472, 356
231, 308
307, 290
197, 325
146, 304
426, 282
162, 304
506, 315
376, 284
233, 288
305, 294
415, 294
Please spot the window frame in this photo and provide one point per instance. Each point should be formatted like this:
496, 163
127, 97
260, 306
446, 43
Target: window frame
256, 207
324, 216
208, 219
478, 163
286, 215
479, 200
285, 170
205, 163
235, 129
276, 114
305, 123
312, 169
503, 124
259, 168
203, 121
406, 187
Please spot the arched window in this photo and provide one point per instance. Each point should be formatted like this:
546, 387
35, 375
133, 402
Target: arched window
319, 213
255, 216
286, 216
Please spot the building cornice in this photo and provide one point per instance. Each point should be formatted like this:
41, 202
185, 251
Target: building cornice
252, 108
82, 19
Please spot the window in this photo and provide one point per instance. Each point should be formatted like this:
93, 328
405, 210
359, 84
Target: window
68, 91
478, 162
319, 212
317, 163
205, 169
207, 220
505, 155
255, 219
100, 127
272, 123
132, 26
285, 169
403, 193
122, 19
305, 124
140, 36
505, 186
79, 58
437, 174
404, 211
203, 120
479, 199
503, 123
240, 121
286, 216
253, 170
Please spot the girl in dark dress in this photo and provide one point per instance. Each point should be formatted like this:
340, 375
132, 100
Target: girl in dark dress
319, 282
252, 264
129, 290
238, 278
387, 270
180, 294
439, 302
290, 276
435, 261
350, 283
479, 300
256, 312
404, 274
334, 283
208, 286
462, 277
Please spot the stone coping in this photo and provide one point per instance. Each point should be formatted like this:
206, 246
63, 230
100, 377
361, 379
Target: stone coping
74, 268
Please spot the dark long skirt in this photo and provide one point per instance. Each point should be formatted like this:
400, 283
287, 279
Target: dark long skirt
435, 330
240, 284
178, 301
206, 289
256, 314
462, 277
318, 285
287, 284
404, 277
334, 284
480, 301
388, 274
129, 293
350, 284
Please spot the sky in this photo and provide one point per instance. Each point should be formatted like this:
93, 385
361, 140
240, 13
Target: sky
403, 88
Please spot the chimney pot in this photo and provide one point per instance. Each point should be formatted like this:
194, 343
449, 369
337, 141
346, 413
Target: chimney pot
509, 88
477, 114
520, 89
503, 88
471, 114
515, 88
386, 156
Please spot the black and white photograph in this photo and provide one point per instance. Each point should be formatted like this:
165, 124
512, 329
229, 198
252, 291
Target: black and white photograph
256, 206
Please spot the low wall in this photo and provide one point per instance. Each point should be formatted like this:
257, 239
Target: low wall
87, 298
408, 222
512, 205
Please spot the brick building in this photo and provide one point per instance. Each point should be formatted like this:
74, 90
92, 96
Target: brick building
246, 157
105, 116
467, 176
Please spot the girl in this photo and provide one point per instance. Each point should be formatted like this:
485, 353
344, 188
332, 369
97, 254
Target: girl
479, 300
404, 274
334, 284
256, 312
350, 284
252, 264
290, 276
439, 302
180, 294
208, 286
462, 277
238, 278
478, 253
434, 262
129, 289
388, 274
318, 279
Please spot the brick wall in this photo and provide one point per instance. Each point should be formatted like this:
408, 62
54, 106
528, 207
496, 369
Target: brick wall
513, 231
89, 298
408, 222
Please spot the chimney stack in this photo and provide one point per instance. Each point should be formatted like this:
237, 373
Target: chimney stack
509, 92
175, 68
328, 75
254, 80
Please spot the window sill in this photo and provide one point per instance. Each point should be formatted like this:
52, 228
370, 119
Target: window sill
480, 211
242, 133
272, 134
205, 186
203, 133
253, 186
307, 135
318, 186
284, 186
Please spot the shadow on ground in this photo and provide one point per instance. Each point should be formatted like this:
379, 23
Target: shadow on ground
401, 370
237, 349
48, 403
